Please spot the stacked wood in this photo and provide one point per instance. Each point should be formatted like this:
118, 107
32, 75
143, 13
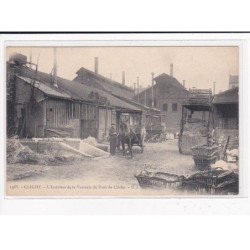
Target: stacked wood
200, 96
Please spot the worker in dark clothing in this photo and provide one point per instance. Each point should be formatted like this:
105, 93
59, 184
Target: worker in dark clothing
112, 139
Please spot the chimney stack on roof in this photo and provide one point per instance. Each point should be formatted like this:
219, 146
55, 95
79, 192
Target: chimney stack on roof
184, 83
171, 69
123, 77
96, 65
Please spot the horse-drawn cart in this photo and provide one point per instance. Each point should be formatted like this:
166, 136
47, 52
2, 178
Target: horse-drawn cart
155, 129
130, 130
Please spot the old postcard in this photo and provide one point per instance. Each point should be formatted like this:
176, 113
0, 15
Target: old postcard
122, 121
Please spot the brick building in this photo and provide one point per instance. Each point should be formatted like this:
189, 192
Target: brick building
168, 95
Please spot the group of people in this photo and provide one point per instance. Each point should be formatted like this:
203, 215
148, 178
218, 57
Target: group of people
114, 137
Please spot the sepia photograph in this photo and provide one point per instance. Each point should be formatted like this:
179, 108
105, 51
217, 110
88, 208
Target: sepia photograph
122, 121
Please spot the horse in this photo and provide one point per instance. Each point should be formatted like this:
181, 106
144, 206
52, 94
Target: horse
130, 138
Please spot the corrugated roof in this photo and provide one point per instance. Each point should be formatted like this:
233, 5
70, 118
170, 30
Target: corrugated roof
228, 96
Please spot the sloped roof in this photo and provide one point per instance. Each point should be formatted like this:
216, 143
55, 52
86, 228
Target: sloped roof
164, 80
227, 97
105, 83
71, 89
83, 91
48, 90
169, 80
139, 105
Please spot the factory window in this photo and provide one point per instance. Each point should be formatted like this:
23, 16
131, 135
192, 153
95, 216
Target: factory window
174, 107
165, 107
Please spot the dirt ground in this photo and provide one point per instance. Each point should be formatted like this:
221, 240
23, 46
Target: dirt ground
110, 176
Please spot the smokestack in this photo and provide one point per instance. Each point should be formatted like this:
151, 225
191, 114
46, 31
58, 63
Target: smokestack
214, 88
184, 83
123, 77
55, 68
171, 69
152, 102
96, 65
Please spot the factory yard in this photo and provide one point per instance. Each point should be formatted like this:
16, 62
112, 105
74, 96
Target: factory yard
114, 175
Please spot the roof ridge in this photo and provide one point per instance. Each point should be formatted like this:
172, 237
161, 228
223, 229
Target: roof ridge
106, 78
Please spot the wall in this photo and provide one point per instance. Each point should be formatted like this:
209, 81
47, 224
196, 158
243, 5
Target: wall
33, 113
104, 123
166, 93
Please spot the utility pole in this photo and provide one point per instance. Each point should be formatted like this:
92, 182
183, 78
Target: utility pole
152, 102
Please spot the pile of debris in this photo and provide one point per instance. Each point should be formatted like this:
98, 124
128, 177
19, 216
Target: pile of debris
17, 153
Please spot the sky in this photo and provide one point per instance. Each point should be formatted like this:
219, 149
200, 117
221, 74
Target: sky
198, 66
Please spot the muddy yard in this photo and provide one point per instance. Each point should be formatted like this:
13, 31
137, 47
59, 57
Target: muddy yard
114, 174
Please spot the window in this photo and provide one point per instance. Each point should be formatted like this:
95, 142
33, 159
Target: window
174, 107
165, 107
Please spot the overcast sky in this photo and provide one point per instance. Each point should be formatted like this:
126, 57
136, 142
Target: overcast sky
198, 66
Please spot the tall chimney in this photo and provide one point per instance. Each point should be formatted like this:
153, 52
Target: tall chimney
152, 102
214, 88
184, 83
171, 69
123, 77
96, 65
55, 68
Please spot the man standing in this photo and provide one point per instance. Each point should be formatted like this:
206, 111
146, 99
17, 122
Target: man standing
112, 138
